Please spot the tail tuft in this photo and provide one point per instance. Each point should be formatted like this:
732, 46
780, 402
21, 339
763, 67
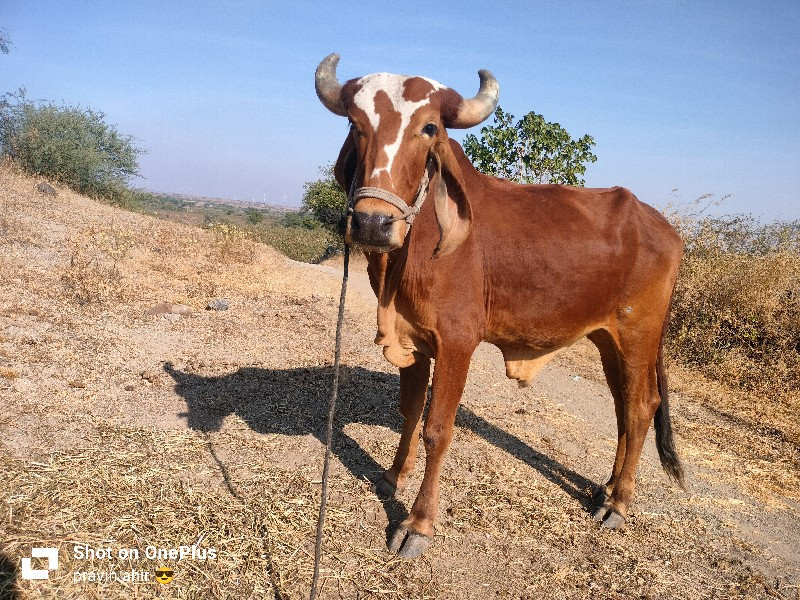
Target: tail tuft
663, 425
666, 446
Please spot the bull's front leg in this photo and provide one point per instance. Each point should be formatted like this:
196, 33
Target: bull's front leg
413, 390
414, 534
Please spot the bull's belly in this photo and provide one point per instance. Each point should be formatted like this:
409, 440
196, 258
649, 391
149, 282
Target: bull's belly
525, 356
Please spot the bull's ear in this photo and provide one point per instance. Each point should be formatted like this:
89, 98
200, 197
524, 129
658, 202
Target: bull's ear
453, 209
345, 169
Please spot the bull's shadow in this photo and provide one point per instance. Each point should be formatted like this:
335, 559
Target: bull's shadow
8, 578
295, 402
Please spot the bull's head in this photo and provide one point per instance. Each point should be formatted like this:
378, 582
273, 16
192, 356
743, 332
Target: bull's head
398, 150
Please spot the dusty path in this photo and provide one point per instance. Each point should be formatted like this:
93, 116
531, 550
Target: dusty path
130, 431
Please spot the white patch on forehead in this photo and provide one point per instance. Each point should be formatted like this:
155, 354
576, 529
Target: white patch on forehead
393, 86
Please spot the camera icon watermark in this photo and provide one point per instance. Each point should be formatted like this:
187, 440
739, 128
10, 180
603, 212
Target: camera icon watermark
51, 554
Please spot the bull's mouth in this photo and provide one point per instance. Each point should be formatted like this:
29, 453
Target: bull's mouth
375, 232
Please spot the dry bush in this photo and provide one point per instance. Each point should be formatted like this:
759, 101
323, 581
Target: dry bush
93, 274
736, 311
170, 249
8, 206
8, 224
168, 241
202, 288
12, 201
231, 245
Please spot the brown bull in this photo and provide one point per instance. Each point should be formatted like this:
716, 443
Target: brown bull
528, 268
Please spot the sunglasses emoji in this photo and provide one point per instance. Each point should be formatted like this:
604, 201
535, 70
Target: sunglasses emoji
164, 575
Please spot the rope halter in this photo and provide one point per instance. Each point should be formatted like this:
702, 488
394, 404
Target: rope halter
409, 213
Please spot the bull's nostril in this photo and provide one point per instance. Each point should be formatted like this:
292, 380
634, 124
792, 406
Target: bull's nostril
372, 221
373, 228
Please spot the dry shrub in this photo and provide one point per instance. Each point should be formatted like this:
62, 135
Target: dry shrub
231, 245
168, 241
202, 288
93, 275
9, 374
8, 224
736, 311
13, 202
8, 208
171, 248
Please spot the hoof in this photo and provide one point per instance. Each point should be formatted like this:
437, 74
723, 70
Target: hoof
608, 517
383, 489
613, 520
408, 544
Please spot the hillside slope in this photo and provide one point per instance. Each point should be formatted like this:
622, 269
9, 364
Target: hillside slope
123, 430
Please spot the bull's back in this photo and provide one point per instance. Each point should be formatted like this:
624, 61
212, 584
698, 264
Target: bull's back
560, 260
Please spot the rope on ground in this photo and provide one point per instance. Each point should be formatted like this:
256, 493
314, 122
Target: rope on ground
331, 411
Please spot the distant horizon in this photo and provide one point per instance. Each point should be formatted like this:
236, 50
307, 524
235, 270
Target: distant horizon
234, 198
707, 204
698, 97
180, 195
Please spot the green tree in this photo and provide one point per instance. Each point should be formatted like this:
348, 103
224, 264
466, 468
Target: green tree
530, 150
5, 41
325, 199
72, 145
300, 220
254, 216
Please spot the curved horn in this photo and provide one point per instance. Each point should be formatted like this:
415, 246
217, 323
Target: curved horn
477, 109
328, 88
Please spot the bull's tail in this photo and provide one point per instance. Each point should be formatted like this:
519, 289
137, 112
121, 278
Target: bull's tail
663, 425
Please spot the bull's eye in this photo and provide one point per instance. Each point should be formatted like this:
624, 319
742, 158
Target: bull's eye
429, 130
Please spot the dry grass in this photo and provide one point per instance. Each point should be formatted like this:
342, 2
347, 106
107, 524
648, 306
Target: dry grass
135, 497
9, 374
11, 205
93, 274
736, 316
736, 313
231, 245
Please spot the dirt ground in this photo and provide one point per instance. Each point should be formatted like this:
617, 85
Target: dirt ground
123, 431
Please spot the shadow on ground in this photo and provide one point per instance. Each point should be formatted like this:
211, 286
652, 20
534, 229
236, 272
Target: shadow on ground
295, 402
8, 579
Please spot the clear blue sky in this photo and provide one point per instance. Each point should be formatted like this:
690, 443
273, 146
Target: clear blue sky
699, 96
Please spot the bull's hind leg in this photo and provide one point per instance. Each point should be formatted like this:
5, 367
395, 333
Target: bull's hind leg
636, 398
413, 390
613, 372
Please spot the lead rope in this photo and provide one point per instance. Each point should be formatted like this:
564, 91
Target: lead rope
331, 411
332, 405
409, 213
